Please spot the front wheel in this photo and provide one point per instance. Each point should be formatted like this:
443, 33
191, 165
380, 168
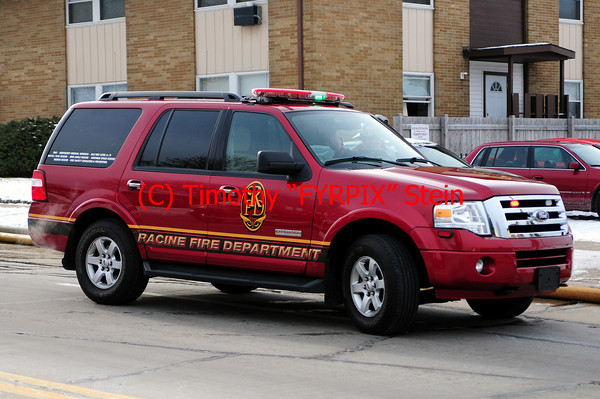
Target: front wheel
108, 264
381, 285
500, 308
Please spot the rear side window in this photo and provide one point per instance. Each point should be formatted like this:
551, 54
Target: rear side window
180, 139
92, 137
506, 157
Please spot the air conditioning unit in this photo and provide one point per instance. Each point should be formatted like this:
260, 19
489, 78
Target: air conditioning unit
247, 16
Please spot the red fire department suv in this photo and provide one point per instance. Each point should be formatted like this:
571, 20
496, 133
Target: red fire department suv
287, 189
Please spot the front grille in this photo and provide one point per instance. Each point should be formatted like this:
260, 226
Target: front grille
527, 216
545, 257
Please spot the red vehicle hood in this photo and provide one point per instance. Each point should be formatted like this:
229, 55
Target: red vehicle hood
474, 184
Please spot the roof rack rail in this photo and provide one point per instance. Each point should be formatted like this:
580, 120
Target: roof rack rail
161, 95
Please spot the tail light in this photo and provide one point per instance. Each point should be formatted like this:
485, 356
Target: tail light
38, 186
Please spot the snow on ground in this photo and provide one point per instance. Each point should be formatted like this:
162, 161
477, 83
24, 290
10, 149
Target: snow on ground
15, 189
15, 196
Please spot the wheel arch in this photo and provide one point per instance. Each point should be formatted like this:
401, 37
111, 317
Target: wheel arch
595, 200
84, 220
350, 233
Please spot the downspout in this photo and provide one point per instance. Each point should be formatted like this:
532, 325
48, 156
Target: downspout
300, 22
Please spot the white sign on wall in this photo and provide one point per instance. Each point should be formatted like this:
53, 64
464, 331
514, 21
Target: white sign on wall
419, 132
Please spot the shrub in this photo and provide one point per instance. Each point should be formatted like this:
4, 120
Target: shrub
22, 143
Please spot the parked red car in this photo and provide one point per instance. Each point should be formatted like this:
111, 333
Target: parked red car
572, 165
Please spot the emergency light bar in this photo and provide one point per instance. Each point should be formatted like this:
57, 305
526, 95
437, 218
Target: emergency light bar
298, 95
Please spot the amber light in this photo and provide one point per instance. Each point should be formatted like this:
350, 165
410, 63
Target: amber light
514, 203
38, 186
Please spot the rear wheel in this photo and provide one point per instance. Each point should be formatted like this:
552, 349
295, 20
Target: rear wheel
233, 289
500, 308
381, 285
108, 264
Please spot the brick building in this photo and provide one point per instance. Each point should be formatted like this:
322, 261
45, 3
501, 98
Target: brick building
455, 57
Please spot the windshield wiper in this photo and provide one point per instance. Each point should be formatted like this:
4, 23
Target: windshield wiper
359, 159
414, 160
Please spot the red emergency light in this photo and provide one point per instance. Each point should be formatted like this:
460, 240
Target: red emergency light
299, 95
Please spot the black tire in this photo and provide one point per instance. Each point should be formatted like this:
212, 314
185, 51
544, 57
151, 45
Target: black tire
380, 285
233, 289
108, 264
500, 308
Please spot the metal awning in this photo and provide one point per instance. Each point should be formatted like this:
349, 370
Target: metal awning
520, 53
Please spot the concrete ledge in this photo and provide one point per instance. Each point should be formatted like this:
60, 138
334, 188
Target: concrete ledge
583, 294
15, 239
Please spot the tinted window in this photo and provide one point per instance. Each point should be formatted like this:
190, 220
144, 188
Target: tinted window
92, 137
250, 133
507, 157
150, 153
551, 158
187, 139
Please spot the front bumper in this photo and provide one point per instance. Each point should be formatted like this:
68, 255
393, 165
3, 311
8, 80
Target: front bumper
510, 269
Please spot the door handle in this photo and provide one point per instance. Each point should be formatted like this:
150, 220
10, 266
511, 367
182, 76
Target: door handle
231, 191
134, 184
537, 177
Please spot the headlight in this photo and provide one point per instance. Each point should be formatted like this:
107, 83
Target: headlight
468, 215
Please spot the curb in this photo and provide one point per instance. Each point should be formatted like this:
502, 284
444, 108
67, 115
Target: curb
11, 238
583, 294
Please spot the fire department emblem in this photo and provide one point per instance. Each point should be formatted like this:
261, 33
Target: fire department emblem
253, 206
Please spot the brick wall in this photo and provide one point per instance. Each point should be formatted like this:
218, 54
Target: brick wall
283, 44
591, 59
542, 27
160, 45
352, 47
450, 35
33, 73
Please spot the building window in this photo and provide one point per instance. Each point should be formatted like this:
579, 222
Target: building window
212, 3
573, 89
81, 11
240, 83
571, 10
82, 93
428, 3
418, 94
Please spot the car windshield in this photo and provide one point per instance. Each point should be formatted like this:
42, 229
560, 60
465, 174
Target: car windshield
589, 153
337, 136
442, 156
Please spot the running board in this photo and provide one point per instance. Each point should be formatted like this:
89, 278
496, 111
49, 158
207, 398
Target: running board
225, 275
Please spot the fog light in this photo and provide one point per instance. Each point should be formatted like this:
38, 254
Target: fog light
479, 266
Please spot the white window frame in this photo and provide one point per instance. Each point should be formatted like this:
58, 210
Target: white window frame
234, 79
97, 87
431, 102
95, 14
580, 101
573, 21
415, 5
230, 3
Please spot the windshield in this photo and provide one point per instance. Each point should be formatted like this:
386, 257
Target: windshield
589, 153
349, 137
442, 156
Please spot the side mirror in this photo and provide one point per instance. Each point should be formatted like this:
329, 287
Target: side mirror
383, 119
277, 163
575, 165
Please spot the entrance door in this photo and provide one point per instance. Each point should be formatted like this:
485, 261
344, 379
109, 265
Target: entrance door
495, 95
